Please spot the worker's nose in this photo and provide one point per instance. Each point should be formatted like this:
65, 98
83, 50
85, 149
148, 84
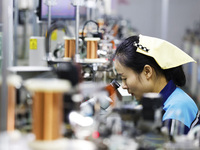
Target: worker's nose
124, 86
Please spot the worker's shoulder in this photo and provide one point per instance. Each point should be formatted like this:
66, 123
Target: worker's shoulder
181, 99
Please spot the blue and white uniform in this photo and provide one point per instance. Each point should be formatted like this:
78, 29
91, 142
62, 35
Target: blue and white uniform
180, 112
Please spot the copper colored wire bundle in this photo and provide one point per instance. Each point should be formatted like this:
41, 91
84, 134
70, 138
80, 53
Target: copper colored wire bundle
14, 82
47, 107
47, 115
11, 108
92, 46
70, 47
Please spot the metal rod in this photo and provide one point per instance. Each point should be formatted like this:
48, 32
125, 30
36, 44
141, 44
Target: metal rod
88, 13
164, 19
77, 29
7, 58
35, 24
49, 15
16, 10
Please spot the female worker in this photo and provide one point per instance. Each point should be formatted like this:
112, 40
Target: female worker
148, 64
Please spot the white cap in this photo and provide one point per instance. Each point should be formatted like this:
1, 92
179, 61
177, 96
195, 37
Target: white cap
165, 54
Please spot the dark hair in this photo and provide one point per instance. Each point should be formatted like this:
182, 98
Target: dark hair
126, 54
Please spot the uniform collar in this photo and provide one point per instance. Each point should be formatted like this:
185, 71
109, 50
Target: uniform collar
168, 90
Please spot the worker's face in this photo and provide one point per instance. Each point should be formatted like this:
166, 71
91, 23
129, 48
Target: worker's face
132, 81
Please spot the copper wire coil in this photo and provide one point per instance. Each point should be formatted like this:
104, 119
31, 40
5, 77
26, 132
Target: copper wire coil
70, 47
11, 108
47, 107
13, 82
92, 46
47, 115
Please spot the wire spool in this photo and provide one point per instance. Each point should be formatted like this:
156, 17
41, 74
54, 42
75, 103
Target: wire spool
70, 47
92, 46
47, 106
14, 82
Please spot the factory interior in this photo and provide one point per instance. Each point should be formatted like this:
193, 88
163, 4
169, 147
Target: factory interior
59, 87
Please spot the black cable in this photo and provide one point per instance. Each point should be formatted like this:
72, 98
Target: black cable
98, 33
56, 25
85, 26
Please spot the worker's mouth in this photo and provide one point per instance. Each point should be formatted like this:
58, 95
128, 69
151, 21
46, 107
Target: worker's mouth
131, 93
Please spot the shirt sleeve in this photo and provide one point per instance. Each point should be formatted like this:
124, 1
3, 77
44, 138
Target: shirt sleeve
175, 127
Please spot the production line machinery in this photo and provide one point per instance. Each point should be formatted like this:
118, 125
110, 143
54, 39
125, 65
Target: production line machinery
75, 104
92, 116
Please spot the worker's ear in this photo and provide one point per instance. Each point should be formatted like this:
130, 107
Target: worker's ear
148, 71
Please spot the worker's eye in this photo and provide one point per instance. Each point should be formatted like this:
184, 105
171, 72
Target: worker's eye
123, 79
